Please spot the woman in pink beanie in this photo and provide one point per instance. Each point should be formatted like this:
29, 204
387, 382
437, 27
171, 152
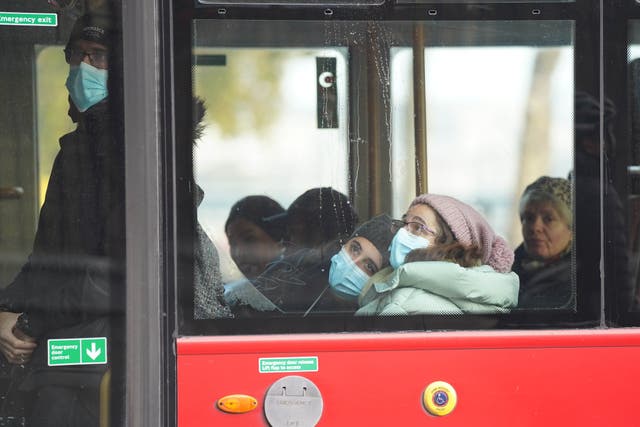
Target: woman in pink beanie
446, 259
469, 229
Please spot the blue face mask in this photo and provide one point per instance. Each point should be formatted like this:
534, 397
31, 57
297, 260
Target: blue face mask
345, 277
87, 85
403, 243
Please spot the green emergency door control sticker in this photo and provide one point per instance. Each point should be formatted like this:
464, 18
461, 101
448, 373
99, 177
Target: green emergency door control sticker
77, 351
29, 19
288, 364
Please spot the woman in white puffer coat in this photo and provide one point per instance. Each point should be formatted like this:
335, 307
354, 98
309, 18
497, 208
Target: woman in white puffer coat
445, 259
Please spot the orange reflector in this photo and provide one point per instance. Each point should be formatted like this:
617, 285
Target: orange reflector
237, 403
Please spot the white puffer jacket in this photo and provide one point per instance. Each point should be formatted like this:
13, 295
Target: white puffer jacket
439, 287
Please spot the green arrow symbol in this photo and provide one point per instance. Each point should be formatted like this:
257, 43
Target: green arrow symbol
94, 352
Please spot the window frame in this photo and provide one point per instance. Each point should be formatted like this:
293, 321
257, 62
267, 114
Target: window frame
586, 17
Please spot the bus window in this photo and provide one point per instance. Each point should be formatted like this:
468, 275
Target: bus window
261, 132
491, 124
508, 109
496, 138
633, 56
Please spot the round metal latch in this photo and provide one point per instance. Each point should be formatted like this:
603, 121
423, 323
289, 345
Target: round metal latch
293, 401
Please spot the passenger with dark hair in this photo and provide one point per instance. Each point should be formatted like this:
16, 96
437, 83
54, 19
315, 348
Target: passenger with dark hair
322, 280
255, 230
319, 216
543, 260
447, 260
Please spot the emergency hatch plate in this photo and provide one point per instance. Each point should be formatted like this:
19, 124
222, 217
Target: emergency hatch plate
293, 401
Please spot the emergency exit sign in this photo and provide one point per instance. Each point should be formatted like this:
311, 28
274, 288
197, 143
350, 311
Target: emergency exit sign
77, 351
29, 19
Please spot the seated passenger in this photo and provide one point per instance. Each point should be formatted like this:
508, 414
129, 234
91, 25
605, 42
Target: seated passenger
325, 279
448, 260
543, 260
254, 239
319, 216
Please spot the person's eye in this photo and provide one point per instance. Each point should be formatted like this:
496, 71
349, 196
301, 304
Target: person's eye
548, 219
354, 248
427, 230
396, 225
371, 268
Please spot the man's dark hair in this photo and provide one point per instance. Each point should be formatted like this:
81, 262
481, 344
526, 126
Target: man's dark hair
95, 27
326, 215
199, 110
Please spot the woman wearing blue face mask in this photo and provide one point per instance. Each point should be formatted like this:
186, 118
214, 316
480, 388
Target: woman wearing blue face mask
362, 256
419, 228
321, 280
445, 259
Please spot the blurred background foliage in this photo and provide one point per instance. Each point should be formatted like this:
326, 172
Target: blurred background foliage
234, 101
52, 118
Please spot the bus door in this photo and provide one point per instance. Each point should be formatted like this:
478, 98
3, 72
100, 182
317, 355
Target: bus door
300, 125
62, 231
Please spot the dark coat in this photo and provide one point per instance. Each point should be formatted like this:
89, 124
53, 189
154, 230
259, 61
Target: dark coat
546, 287
66, 287
296, 284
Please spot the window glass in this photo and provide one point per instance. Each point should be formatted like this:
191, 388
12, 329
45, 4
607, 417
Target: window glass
492, 90
311, 157
634, 160
261, 130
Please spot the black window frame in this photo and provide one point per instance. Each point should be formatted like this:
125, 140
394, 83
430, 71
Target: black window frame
591, 55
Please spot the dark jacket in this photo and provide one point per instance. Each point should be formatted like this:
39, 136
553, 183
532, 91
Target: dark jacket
65, 289
297, 284
547, 286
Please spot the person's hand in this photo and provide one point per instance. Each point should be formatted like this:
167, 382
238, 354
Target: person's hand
15, 345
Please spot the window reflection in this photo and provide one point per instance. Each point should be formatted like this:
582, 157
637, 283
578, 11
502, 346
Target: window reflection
498, 112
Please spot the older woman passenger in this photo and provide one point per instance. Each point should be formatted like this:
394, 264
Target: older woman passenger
543, 260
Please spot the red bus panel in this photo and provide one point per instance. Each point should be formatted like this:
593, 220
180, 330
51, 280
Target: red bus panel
568, 378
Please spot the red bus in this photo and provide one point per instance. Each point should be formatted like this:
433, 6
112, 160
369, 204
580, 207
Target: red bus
236, 116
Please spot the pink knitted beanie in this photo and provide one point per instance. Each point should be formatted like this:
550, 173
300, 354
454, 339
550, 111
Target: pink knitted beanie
470, 228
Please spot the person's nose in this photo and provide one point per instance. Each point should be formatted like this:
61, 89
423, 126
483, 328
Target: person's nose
86, 59
537, 225
357, 259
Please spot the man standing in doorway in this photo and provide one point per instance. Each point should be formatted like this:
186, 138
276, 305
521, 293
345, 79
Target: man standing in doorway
65, 289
